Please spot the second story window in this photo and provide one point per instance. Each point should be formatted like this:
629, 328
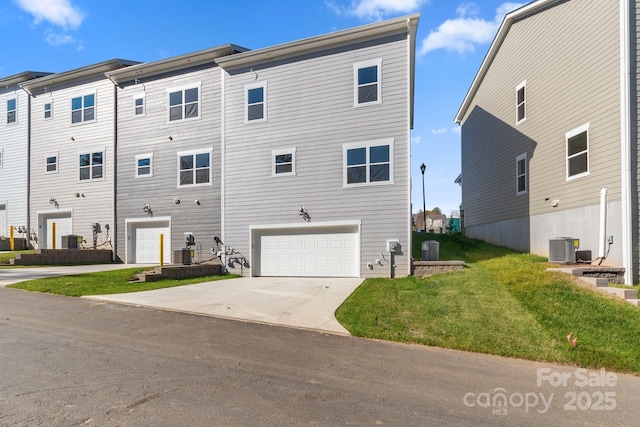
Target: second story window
256, 102
521, 102
11, 110
184, 103
578, 152
369, 162
194, 168
91, 165
83, 109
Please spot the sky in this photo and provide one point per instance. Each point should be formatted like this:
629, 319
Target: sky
453, 38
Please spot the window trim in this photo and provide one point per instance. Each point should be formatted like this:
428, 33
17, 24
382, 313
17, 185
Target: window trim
182, 89
365, 64
134, 98
279, 152
15, 110
57, 163
367, 144
247, 88
137, 167
91, 151
570, 134
522, 86
519, 158
95, 108
50, 110
195, 152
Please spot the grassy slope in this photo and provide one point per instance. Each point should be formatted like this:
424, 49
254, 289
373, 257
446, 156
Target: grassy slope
504, 303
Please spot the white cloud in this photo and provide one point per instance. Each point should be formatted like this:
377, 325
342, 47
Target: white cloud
60, 13
456, 130
465, 32
375, 9
416, 140
440, 131
55, 39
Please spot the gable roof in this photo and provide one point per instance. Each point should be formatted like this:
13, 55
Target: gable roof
507, 22
78, 73
174, 63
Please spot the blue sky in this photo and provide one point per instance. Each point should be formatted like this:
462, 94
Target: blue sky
453, 37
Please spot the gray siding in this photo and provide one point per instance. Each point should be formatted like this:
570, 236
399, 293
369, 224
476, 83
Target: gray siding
569, 56
69, 140
150, 134
14, 142
310, 107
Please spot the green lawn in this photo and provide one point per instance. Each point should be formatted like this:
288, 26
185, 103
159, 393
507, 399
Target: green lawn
5, 256
503, 303
105, 282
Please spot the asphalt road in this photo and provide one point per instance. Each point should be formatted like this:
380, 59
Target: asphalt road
71, 362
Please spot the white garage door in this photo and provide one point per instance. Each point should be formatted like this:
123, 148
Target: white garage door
308, 253
145, 248
63, 228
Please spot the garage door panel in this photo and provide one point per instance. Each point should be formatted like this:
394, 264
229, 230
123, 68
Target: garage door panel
145, 247
308, 253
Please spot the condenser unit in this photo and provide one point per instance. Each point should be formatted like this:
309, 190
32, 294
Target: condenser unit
563, 250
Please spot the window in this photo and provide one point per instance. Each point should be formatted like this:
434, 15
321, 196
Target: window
521, 102
51, 163
83, 109
138, 105
184, 103
48, 110
11, 110
144, 165
284, 162
194, 168
578, 151
521, 173
91, 165
367, 82
368, 162
256, 102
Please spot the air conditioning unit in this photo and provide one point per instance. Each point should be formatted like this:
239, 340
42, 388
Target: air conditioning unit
563, 250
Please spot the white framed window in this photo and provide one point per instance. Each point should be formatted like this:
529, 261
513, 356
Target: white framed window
138, 105
367, 76
51, 163
255, 104
194, 168
368, 162
577, 152
184, 102
12, 110
91, 165
283, 162
521, 174
83, 108
144, 165
48, 110
521, 102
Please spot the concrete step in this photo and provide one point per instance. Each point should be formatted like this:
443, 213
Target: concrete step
622, 293
596, 282
633, 301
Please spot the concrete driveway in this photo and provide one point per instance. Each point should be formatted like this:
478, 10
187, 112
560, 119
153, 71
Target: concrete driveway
298, 302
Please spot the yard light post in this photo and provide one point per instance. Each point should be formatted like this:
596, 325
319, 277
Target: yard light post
424, 210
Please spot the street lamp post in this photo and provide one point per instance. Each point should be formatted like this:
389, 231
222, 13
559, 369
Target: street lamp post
424, 210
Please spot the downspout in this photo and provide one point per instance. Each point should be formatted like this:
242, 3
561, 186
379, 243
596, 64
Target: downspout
602, 247
28, 225
625, 134
410, 87
223, 154
114, 244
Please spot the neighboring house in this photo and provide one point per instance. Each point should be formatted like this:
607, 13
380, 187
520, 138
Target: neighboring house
14, 153
316, 146
72, 155
169, 155
550, 132
434, 223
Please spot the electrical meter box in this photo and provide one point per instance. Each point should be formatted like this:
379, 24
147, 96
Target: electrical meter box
96, 227
393, 246
189, 240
